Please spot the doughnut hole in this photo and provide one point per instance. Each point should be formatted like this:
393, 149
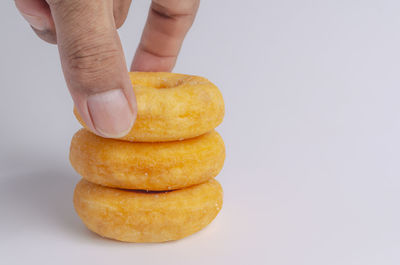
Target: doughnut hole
155, 80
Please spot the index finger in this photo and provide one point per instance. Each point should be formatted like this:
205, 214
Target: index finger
166, 27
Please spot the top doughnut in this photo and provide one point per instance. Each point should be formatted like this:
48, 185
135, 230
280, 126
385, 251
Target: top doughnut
172, 107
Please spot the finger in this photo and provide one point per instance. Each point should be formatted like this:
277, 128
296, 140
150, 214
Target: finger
94, 65
120, 10
37, 13
166, 27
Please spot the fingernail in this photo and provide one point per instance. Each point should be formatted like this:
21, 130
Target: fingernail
36, 22
111, 113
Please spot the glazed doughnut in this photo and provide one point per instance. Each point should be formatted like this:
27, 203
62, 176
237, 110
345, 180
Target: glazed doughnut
139, 216
173, 107
147, 166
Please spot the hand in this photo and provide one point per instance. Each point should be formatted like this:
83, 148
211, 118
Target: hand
91, 54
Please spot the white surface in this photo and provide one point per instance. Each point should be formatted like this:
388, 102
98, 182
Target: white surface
312, 132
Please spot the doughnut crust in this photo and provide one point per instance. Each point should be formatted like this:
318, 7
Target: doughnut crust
147, 166
173, 107
138, 216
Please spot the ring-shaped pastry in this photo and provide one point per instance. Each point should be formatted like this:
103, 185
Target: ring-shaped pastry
139, 216
147, 166
172, 107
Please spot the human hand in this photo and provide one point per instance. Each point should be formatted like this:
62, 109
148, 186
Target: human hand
91, 54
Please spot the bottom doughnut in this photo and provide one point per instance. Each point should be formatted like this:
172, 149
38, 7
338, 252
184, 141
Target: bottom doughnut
138, 216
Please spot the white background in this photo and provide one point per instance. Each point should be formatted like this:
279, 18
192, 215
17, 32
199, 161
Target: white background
312, 130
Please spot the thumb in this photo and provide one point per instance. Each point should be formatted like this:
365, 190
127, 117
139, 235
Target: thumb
94, 65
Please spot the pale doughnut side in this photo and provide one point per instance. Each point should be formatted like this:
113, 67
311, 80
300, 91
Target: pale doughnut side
133, 216
147, 166
173, 107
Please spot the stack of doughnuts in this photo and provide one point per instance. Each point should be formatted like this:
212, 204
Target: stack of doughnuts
156, 183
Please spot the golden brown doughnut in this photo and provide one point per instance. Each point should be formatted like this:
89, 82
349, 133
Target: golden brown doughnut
138, 216
173, 107
147, 166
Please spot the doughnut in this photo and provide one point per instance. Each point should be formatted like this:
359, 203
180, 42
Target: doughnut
139, 216
147, 166
172, 107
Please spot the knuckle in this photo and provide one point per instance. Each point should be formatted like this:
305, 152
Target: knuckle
92, 56
92, 59
175, 8
89, 60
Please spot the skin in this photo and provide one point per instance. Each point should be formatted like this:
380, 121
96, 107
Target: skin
91, 55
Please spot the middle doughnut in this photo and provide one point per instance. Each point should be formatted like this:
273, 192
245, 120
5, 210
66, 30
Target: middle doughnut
147, 166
